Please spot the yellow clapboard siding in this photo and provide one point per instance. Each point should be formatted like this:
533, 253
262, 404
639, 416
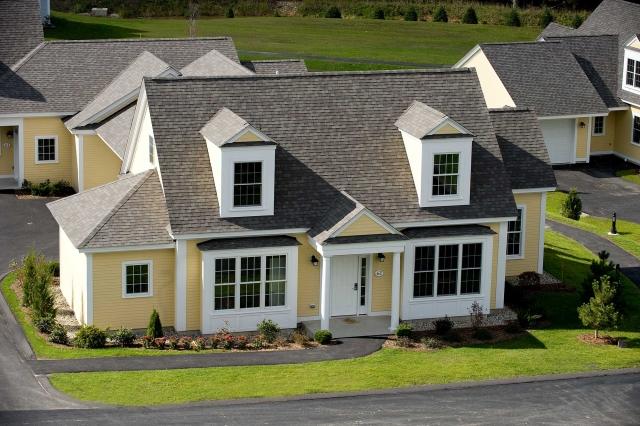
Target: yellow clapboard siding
47, 126
101, 164
381, 286
194, 284
623, 145
531, 235
605, 142
308, 278
447, 129
110, 309
364, 225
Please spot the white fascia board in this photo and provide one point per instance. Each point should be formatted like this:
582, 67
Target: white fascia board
622, 108
467, 56
138, 115
630, 103
560, 117
240, 234
403, 225
534, 190
82, 132
112, 108
38, 114
361, 248
128, 248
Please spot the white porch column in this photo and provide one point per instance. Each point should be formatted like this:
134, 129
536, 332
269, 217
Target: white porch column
395, 292
325, 293
543, 209
79, 141
181, 286
502, 264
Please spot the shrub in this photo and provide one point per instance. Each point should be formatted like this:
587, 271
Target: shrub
378, 13
529, 278
228, 342
155, 326
404, 329
269, 329
411, 14
546, 18
443, 325
185, 342
299, 338
452, 336
482, 334
476, 313
229, 13
62, 188
28, 275
333, 12
323, 337
90, 337
600, 313
513, 19
173, 342
600, 268
198, 343
42, 299
470, 16
54, 268
241, 342
59, 335
123, 337
431, 343
258, 342
159, 343
512, 327
576, 21
44, 324
572, 205
440, 15
403, 342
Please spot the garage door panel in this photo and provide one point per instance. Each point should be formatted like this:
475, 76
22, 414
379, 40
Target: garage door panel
560, 140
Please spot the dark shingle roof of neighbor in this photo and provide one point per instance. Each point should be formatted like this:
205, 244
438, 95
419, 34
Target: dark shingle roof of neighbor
555, 30
20, 30
544, 76
334, 132
447, 231
277, 66
128, 212
63, 76
248, 242
523, 148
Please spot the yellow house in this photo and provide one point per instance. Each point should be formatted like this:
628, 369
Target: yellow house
582, 84
348, 201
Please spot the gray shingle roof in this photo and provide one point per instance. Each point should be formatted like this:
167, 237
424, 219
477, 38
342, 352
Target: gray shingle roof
419, 119
20, 30
277, 66
447, 231
114, 131
555, 30
523, 148
63, 76
224, 125
335, 131
533, 71
127, 212
214, 63
248, 242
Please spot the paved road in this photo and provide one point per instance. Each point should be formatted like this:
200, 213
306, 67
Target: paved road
611, 400
25, 224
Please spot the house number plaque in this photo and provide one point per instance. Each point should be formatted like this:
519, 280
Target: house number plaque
379, 273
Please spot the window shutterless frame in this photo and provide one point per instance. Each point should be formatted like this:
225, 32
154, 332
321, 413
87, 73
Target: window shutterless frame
598, 126
523, 226
635, 129
149, 264
43, 147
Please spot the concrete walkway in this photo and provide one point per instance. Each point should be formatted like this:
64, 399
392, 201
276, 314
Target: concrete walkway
344, 349
629, 264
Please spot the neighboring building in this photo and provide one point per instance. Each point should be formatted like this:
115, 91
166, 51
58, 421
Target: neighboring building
390, 195
583, 84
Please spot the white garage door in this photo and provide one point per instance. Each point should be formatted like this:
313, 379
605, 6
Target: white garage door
559, 138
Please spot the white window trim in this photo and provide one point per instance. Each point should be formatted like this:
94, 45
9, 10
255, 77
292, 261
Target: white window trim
260, 206
55, 139
452, 197
604, 126
634, 55
633, 117
149, 263
522, 234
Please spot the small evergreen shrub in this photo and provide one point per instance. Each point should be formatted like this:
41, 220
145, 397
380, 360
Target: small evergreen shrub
155, 326
411, 14
598, 269
443, 325
44, 324
27, 274
59, 335
90, 337
600, 313
378, 13
546, 18
323, 337
470, 16
431, 343
269, 329
333, 12
62, 188
572, 205
576, 21
43, 301
230, 13
513, 19
440, 15
404, 329
482, 334
123, 337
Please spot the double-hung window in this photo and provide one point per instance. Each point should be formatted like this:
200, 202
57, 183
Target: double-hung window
447, 270
250, 282
633, 73
635, 137
137, 278
598, 126
46, 149
247, 184
514, 235
446, 169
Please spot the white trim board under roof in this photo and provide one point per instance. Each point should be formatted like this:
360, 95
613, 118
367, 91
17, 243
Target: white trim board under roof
422, 121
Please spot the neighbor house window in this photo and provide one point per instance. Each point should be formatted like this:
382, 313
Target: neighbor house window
247, 184
635, 138
258, 282
47, 149
633, 73
440, 268
151, 149
445, 174
136, 279
598, 126
514, 234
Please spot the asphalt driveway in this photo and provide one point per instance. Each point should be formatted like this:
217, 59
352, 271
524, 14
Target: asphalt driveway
25, 224
601, 191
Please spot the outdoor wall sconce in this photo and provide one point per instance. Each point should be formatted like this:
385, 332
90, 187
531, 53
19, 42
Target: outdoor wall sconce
582, 125
381, 257
10, 134
314, 260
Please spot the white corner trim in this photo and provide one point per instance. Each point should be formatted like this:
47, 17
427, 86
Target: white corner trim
55, 144
89, 290
79, 141
543, 209
149, 264
502, 265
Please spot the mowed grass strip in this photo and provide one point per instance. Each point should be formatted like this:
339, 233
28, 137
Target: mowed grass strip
628, 237
630, 175
399, 43
548, 351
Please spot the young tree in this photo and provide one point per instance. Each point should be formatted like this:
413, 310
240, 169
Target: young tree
43, 302
513, 18
440, 15
546, 18
155, 326
572, 205
411, 14
470, 16
600, 313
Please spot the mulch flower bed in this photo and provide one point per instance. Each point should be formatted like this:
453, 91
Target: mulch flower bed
600, 340
429, 340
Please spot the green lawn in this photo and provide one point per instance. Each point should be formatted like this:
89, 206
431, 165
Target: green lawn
548, 351
328, 44
631, 175
629, 232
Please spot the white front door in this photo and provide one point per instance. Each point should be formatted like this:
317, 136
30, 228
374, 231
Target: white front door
344, 285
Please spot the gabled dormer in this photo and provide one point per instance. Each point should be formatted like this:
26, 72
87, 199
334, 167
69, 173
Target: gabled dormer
439, 152
243, 165
631, 65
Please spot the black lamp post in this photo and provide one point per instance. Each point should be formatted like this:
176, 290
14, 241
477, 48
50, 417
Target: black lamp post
614, 230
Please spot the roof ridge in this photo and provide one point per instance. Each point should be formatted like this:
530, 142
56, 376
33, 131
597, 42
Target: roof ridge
509, 43
117, 207
558, 38
137, 40
15, 67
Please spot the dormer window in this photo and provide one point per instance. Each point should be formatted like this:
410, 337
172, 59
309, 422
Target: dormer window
631, 71
439, 153
247, 184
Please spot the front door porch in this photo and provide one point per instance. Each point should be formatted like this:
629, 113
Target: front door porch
353, 326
